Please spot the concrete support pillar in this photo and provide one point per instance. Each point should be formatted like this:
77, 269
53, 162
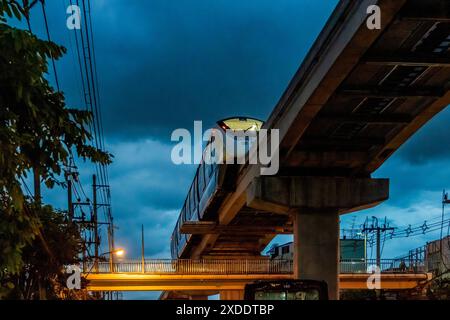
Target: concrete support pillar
316, 203
232, 295
316, 245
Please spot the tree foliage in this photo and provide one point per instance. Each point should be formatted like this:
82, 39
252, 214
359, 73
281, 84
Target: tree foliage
56, 245
38, 132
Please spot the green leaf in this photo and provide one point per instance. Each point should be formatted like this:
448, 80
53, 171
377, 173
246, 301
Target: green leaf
16, 11
8, 10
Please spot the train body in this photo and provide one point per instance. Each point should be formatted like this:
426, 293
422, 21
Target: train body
212, 181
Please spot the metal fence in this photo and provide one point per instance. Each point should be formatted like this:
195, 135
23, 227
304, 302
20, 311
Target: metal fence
251, 266
193, 267
385, 266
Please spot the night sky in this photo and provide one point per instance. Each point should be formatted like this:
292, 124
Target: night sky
164, 63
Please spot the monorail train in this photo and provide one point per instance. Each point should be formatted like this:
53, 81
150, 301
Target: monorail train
211, 183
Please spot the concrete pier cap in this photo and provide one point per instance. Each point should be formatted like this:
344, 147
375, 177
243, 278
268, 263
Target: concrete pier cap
316, 204
282, 194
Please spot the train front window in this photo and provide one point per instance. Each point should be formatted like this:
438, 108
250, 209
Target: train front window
286, 290
241, 124
306, 294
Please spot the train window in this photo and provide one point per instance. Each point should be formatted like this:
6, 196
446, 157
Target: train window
196, 199
206, 174
240, 124
183, 214
312, 294
187, 205
201, 178
178, 230
173, 239
208, 166
193, 199
208, 171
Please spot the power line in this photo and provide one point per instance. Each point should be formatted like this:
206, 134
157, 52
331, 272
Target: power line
90, 87
30, 194
92, 93
377, 229
50, 40
89, 77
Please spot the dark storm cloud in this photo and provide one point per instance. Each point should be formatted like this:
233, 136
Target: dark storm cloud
432, 142
147, 189
165, 63
421, 165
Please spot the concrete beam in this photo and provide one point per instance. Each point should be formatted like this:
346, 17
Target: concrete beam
430, 10
342, 43
389, 281
408, 59
281, 194
326, 158
372, 119
382, 92
406, 132
332, 142
198, 227
137, 282
186, 284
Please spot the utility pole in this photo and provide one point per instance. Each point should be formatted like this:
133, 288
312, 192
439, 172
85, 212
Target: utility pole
378, 247
37, 201
142, 250
111, 236
378, 229
95, 221
111, 244
69, 196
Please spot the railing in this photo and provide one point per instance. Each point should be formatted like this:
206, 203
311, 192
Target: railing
253, 266
385, 266
193, 267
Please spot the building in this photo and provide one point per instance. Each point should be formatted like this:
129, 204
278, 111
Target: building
351, 249
437, 260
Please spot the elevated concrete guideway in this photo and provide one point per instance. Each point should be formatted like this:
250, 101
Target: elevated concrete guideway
197, 279
218, 283
357, 97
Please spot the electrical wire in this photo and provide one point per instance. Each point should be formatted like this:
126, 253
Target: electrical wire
30, 194
44, 14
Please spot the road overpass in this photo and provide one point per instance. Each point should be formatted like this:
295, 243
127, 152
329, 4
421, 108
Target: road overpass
201, 278
357, 97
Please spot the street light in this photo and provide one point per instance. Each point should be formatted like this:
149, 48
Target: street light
118, 252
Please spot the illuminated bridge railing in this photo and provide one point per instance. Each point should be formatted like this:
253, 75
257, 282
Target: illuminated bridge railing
385, 266
254, 266
193, 267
